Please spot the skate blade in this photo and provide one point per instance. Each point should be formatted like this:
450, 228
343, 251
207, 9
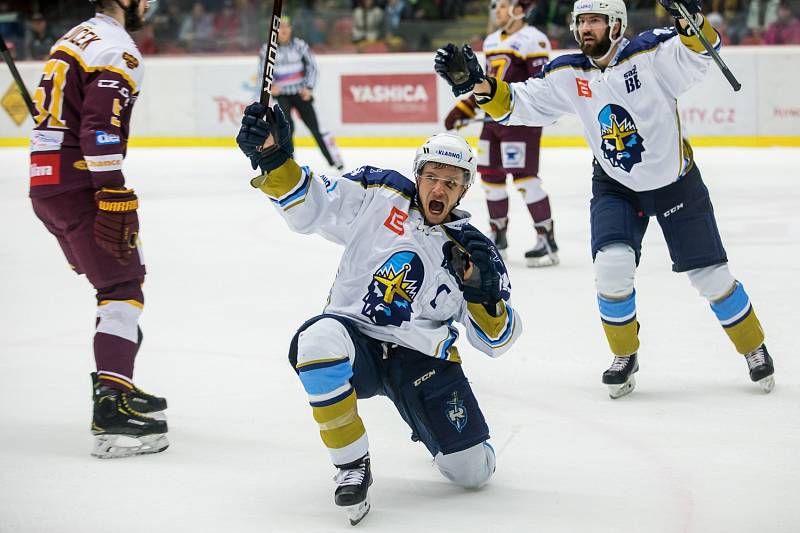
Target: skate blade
767, 383
356, 513
618, 391
544, 261
118, 446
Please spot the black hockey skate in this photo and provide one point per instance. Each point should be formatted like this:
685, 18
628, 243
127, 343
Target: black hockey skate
140, 400
545, 252
353, 481
761, 368
120, 430
620, 376
499, 228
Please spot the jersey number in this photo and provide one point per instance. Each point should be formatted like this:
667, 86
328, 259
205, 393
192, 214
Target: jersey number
498, 66
55, 70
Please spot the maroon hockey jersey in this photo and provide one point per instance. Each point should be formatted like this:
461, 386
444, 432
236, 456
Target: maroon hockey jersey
84, 101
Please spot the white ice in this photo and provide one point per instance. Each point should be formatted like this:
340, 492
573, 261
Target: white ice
696, 448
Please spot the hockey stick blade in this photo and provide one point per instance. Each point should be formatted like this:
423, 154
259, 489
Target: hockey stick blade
709, 48
6, 53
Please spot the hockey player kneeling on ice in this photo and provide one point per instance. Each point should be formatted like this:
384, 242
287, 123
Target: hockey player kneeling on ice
625, 93
412, 265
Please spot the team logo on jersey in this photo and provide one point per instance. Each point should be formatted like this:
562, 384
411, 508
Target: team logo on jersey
620, 140
393, 289
456, 412
130, 61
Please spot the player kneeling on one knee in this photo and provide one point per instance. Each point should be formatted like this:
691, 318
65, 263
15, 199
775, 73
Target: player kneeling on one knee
412, 265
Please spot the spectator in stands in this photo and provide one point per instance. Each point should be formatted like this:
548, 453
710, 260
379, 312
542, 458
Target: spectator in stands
395, 12
197, 30
760, 15
718, 22
785, 30
227, 28
167, 26
38, 38
368, 21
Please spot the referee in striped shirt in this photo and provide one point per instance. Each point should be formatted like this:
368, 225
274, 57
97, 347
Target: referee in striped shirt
295, 77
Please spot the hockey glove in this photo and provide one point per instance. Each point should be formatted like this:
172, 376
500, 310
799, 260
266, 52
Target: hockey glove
461, 114
483, 284
671, 6
254, 132
459, 68
116, 224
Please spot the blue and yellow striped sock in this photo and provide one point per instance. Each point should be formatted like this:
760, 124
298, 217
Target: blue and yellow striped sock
620, 324
738, 318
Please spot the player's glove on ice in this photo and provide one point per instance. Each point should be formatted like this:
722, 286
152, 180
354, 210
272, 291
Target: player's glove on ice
116, 224
459, 68
254, 132
671, 6
483, 284
461, 114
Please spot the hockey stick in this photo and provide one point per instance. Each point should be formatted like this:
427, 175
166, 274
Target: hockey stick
709, 48
17, 78
272, 54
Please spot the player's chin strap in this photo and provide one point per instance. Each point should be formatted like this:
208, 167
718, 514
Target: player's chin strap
612, 48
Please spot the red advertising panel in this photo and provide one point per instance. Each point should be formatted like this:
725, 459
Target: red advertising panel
376, 98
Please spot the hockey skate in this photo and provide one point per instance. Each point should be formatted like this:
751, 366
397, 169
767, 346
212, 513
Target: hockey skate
499, 228
141, 401
120, 430
353, 481
545, 252
761, 368
620, 376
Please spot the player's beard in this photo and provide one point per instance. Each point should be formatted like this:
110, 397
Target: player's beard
133, 22
598, 49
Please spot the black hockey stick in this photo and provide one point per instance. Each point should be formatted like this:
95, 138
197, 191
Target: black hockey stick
709, 48
17, 78
272, 53
266, 80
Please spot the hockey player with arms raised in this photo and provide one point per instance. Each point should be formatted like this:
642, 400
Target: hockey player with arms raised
625, 93
412, 264
515, 52
84, 101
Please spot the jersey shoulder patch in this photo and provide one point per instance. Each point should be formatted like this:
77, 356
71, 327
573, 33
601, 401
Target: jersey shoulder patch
578, 61
646, 41
369, 176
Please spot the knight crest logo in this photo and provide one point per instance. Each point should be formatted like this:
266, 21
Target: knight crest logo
393, 289
621, 143
456, 412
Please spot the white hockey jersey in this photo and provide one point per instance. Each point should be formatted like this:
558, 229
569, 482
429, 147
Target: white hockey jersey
391, 280
629, 110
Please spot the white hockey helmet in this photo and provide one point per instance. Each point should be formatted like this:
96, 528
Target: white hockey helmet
614, 9
448, 149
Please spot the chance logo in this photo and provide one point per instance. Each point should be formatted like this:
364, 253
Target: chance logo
620, 140
393, 289
395, 221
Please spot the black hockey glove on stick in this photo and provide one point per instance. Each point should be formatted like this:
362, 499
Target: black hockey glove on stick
254, 133
459, 68
483, 284
671, 6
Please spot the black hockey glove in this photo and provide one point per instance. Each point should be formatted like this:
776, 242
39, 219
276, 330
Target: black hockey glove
671, 6
254, 132
483, 284
459, 68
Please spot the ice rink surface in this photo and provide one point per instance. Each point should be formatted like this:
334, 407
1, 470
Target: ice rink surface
696, 448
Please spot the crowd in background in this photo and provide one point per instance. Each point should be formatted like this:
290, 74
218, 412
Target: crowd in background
240, 26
